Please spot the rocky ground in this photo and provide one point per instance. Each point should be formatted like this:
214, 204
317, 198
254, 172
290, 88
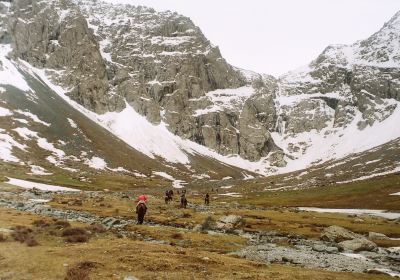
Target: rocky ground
331, 248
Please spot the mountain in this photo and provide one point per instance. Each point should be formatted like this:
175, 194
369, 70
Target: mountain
152, 80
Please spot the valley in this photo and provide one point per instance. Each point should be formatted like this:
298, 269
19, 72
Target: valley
101, 103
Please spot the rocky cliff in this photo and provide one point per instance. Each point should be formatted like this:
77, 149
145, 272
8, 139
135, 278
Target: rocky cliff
108, 57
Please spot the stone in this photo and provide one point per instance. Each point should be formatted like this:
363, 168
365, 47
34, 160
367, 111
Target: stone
110, 222
358, 244
325, 249
377, 236
229, 223
337, 234
358, 220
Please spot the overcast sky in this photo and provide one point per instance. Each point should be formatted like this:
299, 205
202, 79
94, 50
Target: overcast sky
275, 36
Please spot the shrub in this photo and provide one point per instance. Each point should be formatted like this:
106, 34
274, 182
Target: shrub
62, 224
21, 233
41, 223
31, 242
77, 238
2, 237
80, 271
75, 235
96, 228
74, 231
177, 235
75, 273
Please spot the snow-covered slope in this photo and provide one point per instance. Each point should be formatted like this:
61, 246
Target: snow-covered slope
41, 135
156, 83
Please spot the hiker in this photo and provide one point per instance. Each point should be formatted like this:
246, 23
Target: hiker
141, 208
168, 196
207, 199
183, 200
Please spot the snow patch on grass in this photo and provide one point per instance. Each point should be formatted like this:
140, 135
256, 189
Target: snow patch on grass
379, 213
38, 170
7, 143
26, 133
178, 184
96, 163
33, 117
231, 194
5, 112
44, 187
44, 144
371, 176
72, 123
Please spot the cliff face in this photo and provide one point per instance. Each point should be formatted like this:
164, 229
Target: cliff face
161, 64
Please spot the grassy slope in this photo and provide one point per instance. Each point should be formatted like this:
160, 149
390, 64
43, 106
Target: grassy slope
369, 194
116, 258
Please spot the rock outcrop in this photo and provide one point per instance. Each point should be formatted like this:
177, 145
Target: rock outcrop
161, 64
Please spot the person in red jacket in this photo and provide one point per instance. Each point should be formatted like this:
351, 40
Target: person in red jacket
141, 208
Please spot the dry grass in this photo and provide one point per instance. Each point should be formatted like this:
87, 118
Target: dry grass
122, 257
21, 233
41, 223
75, 235
25, 235
369, 194
60, 224
96, 228
290, 222
80, 271
385, 243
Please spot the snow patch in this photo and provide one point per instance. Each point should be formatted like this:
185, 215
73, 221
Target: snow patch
5, 112
96, 163
6, 146
44, 187
371, 176
72, 123
379, 213
38, 170
33, 117
178, 184
26, 133
9, 73
226, 100
232, 194
44, 144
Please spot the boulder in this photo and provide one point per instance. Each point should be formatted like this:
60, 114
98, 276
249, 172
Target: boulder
325, 249
338, 234
229, 223
358, 244
377, 235
110, 222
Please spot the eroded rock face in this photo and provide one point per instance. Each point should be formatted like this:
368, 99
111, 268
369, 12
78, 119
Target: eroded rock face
161, 64
348, 78
60, 39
